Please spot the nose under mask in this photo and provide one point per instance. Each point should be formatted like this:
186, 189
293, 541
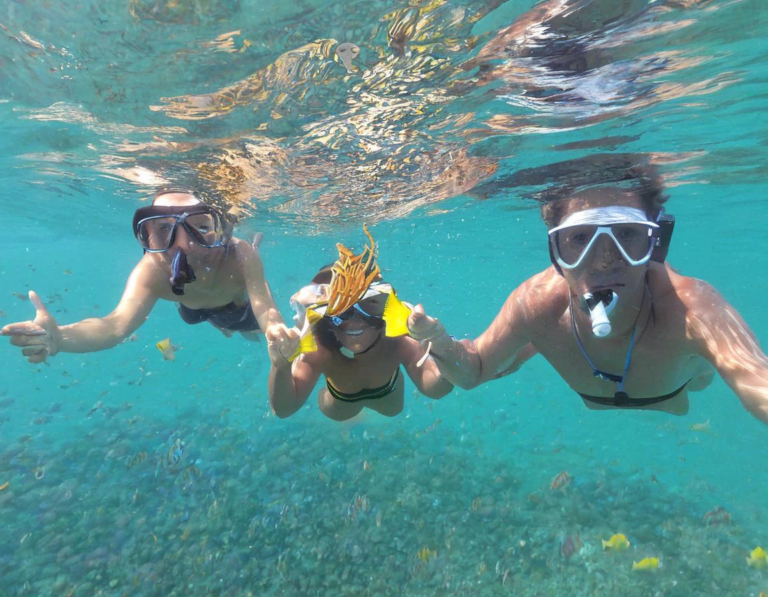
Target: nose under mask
181, 273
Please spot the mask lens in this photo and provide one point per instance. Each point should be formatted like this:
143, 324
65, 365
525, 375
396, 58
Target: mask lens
204, 229
375, 321
635, 239
572, 242
156, 234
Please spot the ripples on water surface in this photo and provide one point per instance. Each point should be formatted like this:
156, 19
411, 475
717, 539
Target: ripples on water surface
431, 119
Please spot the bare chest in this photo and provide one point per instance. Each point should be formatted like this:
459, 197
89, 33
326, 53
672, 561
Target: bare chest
660, 361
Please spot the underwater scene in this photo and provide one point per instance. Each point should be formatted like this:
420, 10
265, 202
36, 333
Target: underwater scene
156, 463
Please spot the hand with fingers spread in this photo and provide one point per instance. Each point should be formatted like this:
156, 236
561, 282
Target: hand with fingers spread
38, 338
282, 342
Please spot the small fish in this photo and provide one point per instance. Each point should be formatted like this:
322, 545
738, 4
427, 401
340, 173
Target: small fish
4, 486
366, 466
176, 453
433, 426
561, 481
758, 558
570, 546
168, 349
701, 427
646, 564
717, 516
68, 272
21, 297
425, 555
94, 408
39, 472
477, 503
617, 542
136, 459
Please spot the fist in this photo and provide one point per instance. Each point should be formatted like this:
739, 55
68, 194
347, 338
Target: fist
423, 327
282, 342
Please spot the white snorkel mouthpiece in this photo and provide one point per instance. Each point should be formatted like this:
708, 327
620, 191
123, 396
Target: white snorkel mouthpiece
600, 306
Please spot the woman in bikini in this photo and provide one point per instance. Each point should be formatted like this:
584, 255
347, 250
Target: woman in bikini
352, 344
190, 258
618, 324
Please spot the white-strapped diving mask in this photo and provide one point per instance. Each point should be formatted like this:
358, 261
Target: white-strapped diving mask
628, 227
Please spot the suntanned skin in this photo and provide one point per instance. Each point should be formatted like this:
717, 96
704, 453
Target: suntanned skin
222, 277
376, 359
691, 333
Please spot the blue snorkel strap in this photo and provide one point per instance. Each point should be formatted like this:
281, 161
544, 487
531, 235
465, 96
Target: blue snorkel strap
620, 396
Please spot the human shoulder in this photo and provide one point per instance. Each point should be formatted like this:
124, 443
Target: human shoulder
149, 274
242, 249
541, 296
691, 292
695, 301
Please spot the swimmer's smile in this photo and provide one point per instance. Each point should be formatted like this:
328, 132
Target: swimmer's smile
353, 332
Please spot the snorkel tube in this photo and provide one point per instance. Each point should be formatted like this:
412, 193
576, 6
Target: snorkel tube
181, 273
600, 305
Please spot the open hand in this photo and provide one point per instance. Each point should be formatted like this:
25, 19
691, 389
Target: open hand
38, 338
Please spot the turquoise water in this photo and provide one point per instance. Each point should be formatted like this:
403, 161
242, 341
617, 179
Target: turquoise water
423, 144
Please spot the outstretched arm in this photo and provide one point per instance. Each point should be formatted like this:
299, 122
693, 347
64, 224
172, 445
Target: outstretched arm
262, 303
290, 384
725, 340
468, 363
43, 336
423, 372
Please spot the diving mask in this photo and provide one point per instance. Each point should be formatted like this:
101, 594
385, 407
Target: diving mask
628, 227
155, 226
373, 320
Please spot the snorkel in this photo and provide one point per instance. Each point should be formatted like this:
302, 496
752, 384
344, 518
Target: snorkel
600, 304
181, 272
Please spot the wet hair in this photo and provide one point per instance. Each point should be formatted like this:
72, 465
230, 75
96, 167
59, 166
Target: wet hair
324, 335
323, 275
554, 185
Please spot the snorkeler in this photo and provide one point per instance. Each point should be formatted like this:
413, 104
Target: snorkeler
354, 334
619, 325
191, 258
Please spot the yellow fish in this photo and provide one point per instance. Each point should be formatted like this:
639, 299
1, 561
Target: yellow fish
617, 542
425, 554
308, 342
168, 349
646, 564
395, 316
758, 558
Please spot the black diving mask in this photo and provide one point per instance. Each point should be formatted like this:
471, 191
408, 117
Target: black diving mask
155, 226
